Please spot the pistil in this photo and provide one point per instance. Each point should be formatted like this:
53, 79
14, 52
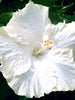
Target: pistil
46, 45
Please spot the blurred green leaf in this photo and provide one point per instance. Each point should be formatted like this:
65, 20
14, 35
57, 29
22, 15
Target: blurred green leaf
11, 5
23, 98
44, 2
72, 18
4, 18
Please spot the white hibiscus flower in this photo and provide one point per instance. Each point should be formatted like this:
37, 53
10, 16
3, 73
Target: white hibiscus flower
37, 57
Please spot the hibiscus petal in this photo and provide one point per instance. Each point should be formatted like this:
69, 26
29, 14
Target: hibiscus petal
48, 32
59, 55
15, 59
64, 69
38, 80
66, 36
65, 76
27, 25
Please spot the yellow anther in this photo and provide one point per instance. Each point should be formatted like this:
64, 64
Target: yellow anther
47, 44
50, 42
47, 40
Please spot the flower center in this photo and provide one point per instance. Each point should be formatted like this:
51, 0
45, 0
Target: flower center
46, 45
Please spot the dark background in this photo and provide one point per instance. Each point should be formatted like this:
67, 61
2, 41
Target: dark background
59, 10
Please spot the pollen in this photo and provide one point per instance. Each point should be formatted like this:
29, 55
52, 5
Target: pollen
50, 42
46, 45
47, 42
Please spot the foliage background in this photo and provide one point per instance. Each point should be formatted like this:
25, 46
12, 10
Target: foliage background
59, 10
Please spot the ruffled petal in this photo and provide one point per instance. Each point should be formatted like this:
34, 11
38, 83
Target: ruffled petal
65, 37
14, 57
65, 55
65, 76
52, 72
48, 32
27, 25
39, 80
64, 69
52, 30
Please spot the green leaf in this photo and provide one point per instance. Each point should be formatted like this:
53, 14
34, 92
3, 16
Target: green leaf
44, 2
11, 5
23, 98
4, 18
